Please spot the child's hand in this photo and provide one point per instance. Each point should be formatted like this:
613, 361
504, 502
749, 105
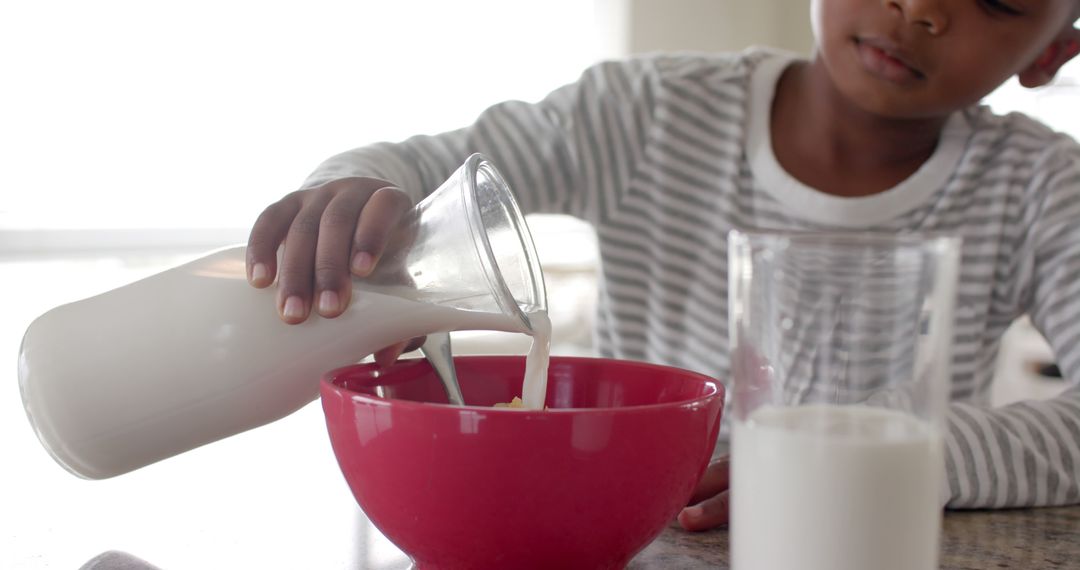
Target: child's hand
709, 504
329, 231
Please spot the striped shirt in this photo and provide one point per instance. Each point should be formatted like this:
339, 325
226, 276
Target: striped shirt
664, 154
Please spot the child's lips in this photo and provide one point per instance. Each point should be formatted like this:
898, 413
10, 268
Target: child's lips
886, 60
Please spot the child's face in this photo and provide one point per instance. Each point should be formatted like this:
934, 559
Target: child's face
927, 58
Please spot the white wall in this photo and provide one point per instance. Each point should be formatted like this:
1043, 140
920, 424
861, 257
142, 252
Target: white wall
638, 26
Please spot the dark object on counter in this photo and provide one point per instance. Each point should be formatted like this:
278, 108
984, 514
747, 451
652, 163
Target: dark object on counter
1047, 369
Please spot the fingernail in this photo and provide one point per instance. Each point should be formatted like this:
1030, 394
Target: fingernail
361, 263
258, 273
328, 302
294, 308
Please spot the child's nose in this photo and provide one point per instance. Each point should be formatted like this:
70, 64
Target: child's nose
929, 14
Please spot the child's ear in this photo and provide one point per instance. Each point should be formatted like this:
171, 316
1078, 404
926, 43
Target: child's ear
1064, 47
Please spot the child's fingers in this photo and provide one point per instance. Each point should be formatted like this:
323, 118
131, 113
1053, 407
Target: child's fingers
709, 504
390, 354
716, 479
295, 277
414, 344
333, 283
382, 213
707, 514
266, 235
323, 229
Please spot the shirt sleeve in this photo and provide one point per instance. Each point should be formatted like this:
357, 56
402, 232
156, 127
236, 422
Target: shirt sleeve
1028, 453
570, 153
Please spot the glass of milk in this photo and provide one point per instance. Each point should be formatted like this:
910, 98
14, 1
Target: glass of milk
841, 349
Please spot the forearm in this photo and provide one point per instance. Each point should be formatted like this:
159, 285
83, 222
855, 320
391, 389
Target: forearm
525, 142
1021, 455
1028, 453
411, 165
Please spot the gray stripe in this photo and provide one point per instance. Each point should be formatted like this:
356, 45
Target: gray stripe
726, 112
1064, 332
967, 453
516, 125
1038, 428
952, 475
636, 267
680, 153
571, 192
522, 172
643, 102
696, 132
693, 197
612, 140
590, 154
1030, 495
1002, 437
665, 219
634, 241
679, 291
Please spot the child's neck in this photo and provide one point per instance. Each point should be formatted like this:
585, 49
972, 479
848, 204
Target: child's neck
832, 145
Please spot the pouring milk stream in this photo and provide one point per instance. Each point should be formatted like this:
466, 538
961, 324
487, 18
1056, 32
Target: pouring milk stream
194, 354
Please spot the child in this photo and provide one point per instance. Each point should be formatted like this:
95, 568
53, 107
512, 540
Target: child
664, 154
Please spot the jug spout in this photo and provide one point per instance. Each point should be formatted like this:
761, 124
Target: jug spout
466, 246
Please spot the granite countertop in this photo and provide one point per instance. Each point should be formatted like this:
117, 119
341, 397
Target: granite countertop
1020, 538
1028, 539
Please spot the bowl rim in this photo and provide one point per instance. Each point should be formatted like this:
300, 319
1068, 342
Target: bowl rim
715, 389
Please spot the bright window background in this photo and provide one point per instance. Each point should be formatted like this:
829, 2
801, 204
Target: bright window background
127, 127
1056, 104
135, 114
180, 117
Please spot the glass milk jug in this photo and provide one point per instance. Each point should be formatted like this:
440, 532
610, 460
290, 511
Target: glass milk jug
195, 354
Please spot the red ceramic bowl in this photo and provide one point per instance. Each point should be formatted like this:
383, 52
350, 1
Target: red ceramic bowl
585, 484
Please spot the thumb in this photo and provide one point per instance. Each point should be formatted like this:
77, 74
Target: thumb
707, 514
